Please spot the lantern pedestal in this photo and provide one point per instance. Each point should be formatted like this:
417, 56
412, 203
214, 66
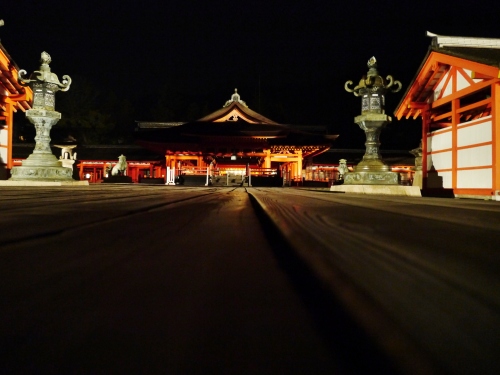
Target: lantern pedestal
407, 191
372, 170
42, 165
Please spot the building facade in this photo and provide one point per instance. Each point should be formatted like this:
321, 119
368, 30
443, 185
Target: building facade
13, 98
456, 94
91, 162
236, 141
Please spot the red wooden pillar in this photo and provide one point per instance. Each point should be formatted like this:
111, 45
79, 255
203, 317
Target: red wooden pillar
426, 118
455, 119
495, 116
8, 128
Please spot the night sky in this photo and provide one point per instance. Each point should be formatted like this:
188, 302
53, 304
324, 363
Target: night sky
288, 59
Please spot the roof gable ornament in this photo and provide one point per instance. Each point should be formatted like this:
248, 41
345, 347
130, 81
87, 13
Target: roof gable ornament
235, 98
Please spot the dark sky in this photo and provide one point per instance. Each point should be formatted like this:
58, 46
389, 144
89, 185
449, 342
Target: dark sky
290, 59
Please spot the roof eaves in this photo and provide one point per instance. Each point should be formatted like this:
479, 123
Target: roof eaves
410, 85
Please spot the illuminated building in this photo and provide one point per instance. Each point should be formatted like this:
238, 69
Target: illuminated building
235, 141
456, 93
13, 97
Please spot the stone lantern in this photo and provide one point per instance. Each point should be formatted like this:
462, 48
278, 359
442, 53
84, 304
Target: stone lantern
372, 89
42, 165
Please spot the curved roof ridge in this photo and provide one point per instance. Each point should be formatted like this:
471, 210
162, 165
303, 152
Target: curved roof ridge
241, 108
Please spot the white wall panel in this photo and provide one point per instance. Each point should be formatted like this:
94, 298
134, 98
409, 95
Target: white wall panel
439, 161
4, 137
3, 155
475, 157
461, 81
439, 141
448, 90
439, 87
475, 179
439, 180
473, 134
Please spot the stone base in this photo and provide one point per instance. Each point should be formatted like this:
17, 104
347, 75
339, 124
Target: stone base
371, 178
118, 180
43, 183
417, 179
410, 191
42, 173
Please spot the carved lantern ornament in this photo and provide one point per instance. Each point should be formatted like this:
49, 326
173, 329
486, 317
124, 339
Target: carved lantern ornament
44, 84
42, 165
372, 88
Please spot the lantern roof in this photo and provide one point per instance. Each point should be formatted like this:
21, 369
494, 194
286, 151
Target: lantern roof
45, 75
373, 81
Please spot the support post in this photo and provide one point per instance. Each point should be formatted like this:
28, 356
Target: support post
170, 176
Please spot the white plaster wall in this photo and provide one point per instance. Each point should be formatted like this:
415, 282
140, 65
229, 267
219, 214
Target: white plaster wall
474, 134
475, 157
3, 155
4, 137
448, 90
439, 141
469, 73
439, 180
462, 83
439, 161
439, 87
475, 178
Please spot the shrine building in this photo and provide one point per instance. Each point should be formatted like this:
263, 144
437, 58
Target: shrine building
234, 143
456, 93
91, 161
13, 98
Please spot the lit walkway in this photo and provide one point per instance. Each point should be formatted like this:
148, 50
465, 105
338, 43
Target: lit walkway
421, 274
155, 279
143, 279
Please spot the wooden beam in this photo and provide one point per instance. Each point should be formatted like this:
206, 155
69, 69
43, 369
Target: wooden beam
440, 125
467, 64
478, 75
432, 82
469, 90
417, 105
475, 105
442, 116
425, 77
495, 92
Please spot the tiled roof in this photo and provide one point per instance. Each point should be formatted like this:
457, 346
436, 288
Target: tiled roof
245, 110
481, 50
442, 41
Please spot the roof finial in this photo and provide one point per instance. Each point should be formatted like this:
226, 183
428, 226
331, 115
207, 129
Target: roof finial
235, 98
